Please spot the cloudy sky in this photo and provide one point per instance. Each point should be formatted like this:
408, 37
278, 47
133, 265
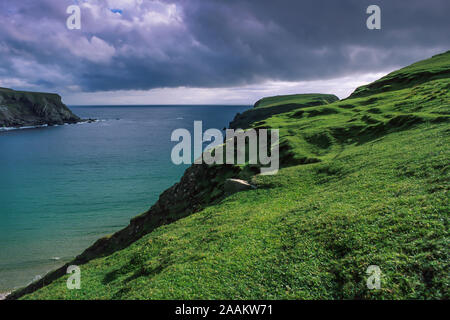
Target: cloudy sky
211, 51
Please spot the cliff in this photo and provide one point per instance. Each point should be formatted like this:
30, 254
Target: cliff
20, 108
363, 181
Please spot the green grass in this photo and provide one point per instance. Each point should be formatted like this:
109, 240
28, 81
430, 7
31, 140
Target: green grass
375, 194
437, 67
268, 107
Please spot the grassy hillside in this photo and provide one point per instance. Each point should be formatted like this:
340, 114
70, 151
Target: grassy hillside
364, 182
420, 72
270, 106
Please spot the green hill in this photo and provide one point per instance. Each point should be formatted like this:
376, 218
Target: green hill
364, 181
311, 99
268, 107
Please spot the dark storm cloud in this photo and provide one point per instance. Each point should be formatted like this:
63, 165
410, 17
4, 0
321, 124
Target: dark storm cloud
210, 43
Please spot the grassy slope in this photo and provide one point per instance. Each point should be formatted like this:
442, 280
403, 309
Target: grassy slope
423, 71
270, 106
378, 195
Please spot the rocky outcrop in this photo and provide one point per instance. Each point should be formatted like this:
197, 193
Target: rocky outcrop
20, 108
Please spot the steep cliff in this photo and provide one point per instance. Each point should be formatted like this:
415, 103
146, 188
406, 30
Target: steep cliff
20, 108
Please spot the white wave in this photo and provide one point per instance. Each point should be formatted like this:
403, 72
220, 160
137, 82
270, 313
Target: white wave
36, 278
46, 125
22, 128
91, 121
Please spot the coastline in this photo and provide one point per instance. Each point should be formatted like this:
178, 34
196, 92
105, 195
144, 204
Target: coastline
104, 116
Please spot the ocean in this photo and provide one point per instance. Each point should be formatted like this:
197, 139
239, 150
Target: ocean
63, 187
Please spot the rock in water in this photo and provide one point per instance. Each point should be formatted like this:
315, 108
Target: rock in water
21, 108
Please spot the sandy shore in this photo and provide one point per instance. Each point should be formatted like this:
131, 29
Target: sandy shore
4, 295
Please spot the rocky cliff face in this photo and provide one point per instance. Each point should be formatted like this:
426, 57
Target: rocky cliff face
20, 108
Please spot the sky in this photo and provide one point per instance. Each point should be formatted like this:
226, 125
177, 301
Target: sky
211, 51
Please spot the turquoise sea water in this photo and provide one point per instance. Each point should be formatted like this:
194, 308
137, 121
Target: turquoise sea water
61, 188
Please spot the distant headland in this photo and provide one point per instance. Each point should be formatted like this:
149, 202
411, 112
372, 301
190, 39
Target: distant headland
23, 109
